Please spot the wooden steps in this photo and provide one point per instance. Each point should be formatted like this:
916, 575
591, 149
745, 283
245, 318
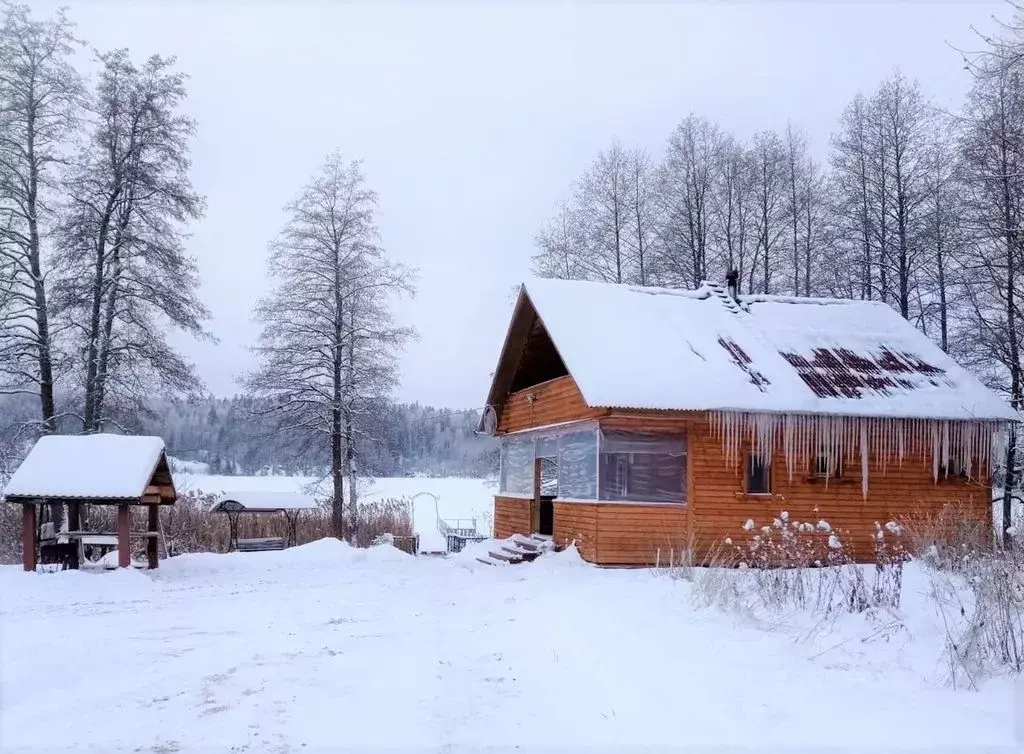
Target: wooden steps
519, 548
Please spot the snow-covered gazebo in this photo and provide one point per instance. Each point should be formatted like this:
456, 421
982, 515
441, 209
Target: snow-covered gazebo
99, 469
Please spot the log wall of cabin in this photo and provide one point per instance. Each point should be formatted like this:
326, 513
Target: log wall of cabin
511, 516
718, 506
577, 522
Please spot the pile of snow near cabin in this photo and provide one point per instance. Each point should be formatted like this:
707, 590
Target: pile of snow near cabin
324, 645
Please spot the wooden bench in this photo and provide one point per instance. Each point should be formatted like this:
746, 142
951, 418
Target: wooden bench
259, 544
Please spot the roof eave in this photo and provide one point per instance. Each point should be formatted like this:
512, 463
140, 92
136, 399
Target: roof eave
805, 412
24, 499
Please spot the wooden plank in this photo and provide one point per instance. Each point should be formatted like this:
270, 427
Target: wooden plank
28, 537
535, 503
577, 522
124, 525
511, 516
154, 528
505, 556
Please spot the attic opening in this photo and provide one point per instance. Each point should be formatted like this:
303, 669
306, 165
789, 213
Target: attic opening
539, 361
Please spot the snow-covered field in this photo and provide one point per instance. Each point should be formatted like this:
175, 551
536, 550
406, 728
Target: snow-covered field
322, 646
457, 498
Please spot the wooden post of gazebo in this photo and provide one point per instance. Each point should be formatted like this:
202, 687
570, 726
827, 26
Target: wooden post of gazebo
124, 533
152, 535
28, 536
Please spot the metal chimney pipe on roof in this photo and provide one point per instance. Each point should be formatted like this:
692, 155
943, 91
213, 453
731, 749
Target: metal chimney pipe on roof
732, 284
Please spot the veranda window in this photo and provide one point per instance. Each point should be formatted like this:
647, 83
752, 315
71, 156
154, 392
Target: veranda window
568, 462
642, 468
517, 465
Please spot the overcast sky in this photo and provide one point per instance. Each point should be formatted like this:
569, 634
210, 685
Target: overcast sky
472, 123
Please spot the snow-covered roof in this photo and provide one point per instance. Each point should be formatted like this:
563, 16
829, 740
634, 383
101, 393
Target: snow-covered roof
264, 500
100, 466
654, 348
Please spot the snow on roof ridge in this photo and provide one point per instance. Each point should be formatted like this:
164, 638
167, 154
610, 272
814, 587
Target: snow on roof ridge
766, 298
698, 293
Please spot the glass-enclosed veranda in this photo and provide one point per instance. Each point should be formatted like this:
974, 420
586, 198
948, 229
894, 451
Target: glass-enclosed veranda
585, 462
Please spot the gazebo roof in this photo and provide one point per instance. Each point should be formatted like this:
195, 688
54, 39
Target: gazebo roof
99, 467
262, 501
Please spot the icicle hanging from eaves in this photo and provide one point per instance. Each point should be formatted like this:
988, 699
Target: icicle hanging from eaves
953, 445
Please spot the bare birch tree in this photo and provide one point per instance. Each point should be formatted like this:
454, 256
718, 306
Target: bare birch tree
39, 96
560, 246
328, 345
768, 170
733, 205
796, 178
993, 179
125, 277
604, 207
942, 232
643, 209
686, 187
851, 192
903, 115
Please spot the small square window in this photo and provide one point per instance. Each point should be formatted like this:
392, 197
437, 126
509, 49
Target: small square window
823, 466
952, 469
759, 473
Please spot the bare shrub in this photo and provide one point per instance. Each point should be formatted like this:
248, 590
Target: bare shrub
189, 526
994, 637
805, 565
10, 533
715, 579
947, 539
677, 556
980, 596
377, 517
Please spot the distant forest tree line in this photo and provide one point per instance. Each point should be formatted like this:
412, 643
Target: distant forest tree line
408, 440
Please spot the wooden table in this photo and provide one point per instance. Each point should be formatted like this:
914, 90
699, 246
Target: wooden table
106, 541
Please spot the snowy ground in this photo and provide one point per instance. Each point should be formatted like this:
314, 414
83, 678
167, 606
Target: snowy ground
457, 498
323, 646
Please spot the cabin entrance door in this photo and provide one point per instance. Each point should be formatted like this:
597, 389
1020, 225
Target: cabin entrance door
545, 488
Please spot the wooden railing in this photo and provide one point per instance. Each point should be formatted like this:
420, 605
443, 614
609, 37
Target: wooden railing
459, 531
456, 531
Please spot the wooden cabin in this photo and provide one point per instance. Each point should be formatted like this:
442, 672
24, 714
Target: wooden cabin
650, 424
99, 469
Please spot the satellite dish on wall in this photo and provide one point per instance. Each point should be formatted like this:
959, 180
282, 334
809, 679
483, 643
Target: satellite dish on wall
489, 421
